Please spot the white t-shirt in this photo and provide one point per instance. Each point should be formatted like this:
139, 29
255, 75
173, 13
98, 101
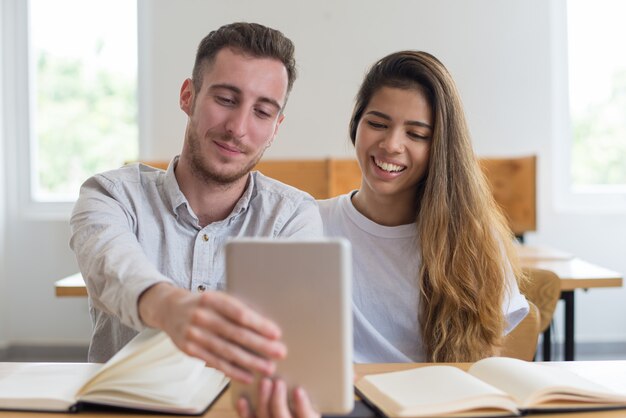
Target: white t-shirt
385, 289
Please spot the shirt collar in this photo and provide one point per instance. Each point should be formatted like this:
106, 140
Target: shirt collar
178, 199
172, 190
244, 200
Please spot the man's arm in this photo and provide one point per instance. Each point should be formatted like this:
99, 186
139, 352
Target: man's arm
123, 282
113, 263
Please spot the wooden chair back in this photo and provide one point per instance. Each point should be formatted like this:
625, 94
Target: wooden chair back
514, 186
521, 342
321, 178
543, 289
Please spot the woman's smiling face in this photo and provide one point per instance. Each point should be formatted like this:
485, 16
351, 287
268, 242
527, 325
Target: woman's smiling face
393, 141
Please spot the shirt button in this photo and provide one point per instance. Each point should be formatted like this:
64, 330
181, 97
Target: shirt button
201, 288
205, 237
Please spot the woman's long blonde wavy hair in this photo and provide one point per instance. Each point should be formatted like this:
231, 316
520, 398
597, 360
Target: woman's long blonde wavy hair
466, 245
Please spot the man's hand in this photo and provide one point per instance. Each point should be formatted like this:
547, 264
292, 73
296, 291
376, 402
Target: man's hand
272, 402
216, 328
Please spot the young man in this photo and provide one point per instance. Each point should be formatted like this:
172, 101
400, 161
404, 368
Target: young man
150, 243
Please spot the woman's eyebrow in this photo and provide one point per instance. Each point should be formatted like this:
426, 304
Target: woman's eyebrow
379, 114
418, 123
409, 122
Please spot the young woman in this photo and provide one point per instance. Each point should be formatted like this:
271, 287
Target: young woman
434, 268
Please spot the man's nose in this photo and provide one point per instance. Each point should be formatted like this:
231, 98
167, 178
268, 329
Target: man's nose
237, 122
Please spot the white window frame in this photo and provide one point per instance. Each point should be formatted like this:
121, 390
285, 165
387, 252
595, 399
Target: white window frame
18, 100
592, 199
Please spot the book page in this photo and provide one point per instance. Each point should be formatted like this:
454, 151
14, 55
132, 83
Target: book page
42, 386
210, 384
151, 370
432, 390
534, 384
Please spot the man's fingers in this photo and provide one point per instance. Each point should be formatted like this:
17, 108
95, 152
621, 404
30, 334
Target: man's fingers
243, 408
279, 405
238, 334
302, 405
265, 394
239, 313
212, 360
233, 352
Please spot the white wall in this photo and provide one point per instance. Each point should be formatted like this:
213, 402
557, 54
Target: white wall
500, 53
35, 251
3, 311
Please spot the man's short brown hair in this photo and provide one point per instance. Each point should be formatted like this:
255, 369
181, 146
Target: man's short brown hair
250, 38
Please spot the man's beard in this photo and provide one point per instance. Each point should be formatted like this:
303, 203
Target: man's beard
204, 171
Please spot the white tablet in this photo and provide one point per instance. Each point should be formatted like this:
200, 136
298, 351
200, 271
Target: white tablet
305, 287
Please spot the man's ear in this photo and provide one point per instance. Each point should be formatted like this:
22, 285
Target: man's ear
187, 96
278, 122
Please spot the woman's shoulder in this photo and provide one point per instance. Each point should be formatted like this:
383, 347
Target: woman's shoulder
331, 206
333, 212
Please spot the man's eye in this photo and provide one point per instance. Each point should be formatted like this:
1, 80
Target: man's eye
224, 100
263, 114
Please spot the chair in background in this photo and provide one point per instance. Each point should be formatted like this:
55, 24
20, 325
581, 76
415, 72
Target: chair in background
308, 175
513, 182
521, 342
321, 178
542, 290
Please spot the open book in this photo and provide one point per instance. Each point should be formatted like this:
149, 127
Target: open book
149, 373
492, 386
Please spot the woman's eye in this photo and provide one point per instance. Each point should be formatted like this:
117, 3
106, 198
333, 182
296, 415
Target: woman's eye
376, 125
415, 136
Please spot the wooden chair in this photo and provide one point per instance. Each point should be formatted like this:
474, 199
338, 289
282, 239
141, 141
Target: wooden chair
321, 178
542, 290
514, 186
521, 342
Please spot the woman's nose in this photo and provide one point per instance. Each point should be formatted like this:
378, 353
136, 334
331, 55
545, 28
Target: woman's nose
393, 142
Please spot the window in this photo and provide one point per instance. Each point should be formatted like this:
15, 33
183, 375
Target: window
83, 83
597, 95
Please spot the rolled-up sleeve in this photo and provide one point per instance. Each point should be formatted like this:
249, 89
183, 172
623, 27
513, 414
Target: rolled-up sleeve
515, 305
111, 260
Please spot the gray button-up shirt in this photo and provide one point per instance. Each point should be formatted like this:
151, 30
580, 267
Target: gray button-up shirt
133, 228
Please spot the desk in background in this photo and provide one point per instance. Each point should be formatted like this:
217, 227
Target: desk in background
70, 286
573, 272
609, 373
